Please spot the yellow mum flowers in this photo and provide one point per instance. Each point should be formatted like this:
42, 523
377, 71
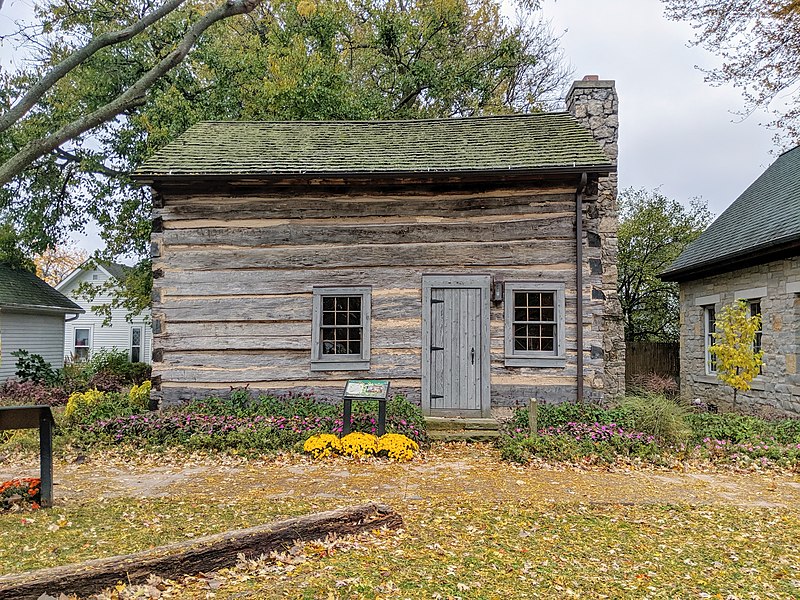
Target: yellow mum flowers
358, 445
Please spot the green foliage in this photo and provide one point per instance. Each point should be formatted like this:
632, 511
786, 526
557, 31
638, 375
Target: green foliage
33, 367
661, 417
569, 449
653, 231
732, 427
741, 429
86, 408
286, 60
738, 363
11, 252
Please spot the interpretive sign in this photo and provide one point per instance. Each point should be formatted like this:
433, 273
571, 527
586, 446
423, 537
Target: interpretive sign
368, 389
365, 389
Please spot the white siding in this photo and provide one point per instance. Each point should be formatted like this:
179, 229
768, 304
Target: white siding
105, 337
37, 333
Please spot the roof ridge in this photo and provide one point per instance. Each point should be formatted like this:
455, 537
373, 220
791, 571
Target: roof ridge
382, 121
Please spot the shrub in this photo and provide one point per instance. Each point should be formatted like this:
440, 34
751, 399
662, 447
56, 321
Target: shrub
32, 367
359, 444
106, 381
110, 361
14, 393
653, 383
88, 407
658, 416
726, 426
397, 447
322, 445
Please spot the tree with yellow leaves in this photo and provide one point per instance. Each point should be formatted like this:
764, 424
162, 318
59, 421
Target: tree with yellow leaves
57, 262
738, 362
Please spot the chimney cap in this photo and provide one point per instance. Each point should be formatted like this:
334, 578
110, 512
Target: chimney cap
591, 78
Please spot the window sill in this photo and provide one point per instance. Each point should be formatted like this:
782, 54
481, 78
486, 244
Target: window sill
712, 379
541, 361
340, 365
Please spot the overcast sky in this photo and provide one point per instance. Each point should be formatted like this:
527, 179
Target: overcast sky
676, 131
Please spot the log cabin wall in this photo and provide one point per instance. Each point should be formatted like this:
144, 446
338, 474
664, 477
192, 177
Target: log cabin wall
235, 272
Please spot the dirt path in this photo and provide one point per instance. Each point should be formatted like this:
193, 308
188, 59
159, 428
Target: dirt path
446, 470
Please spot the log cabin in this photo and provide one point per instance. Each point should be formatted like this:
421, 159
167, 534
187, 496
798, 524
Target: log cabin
471, 261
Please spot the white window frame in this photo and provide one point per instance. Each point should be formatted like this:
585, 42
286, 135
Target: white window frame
758, 338
340, 362
708, 339
140, 346
526, 358
88, 347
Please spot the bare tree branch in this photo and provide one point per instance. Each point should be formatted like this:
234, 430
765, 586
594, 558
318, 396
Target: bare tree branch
130, 98
78, 57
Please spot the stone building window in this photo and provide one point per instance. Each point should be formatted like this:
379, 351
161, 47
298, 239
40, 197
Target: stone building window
710, 320
340, 335
534, 324
755, 309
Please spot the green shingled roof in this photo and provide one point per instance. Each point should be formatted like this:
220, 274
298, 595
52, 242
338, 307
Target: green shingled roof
765, 218
22, 291
537, 142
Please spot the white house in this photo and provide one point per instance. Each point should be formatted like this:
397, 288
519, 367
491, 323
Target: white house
32, 318
87, 334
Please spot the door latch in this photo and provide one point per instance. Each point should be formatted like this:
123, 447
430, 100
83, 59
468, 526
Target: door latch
472, 356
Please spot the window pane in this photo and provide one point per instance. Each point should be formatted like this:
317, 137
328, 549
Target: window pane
328, 303
136, 336
82, 337
135, 355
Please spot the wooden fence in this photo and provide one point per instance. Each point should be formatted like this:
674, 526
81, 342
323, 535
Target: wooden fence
643, 358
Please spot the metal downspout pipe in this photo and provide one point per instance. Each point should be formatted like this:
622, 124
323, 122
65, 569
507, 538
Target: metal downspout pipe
579, 283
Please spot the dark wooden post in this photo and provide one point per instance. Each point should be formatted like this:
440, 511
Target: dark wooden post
381, 416
346, 419
46, 458
31, 417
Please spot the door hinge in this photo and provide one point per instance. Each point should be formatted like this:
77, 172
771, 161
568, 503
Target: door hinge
436, 301
436, 396
436, 348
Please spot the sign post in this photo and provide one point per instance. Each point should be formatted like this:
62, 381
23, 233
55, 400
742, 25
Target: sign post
33, 417
365, 389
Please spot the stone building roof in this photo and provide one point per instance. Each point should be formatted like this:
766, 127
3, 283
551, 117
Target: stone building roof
542, 142
761, 225
24, 291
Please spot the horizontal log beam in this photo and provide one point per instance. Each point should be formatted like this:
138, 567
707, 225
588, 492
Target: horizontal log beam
205, 554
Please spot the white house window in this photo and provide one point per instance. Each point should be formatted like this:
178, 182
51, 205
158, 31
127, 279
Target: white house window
534, 324
340, 335
81, 346
710, 320
136, 344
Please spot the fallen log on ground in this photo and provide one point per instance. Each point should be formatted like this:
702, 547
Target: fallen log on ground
204, 554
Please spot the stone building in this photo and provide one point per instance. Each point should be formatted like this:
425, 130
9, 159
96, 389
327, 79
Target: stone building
442, 254
750, 252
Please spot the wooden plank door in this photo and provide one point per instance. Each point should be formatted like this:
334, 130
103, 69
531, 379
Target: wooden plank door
456, 345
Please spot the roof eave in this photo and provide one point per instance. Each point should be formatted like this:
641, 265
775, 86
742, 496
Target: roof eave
600, 169
787, 247
41, 308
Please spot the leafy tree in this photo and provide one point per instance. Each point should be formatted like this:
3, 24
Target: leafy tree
12, 253
57, 262
759, 43
738, 362
330, 59
653, 231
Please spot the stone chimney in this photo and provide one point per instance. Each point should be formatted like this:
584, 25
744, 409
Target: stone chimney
593, 102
